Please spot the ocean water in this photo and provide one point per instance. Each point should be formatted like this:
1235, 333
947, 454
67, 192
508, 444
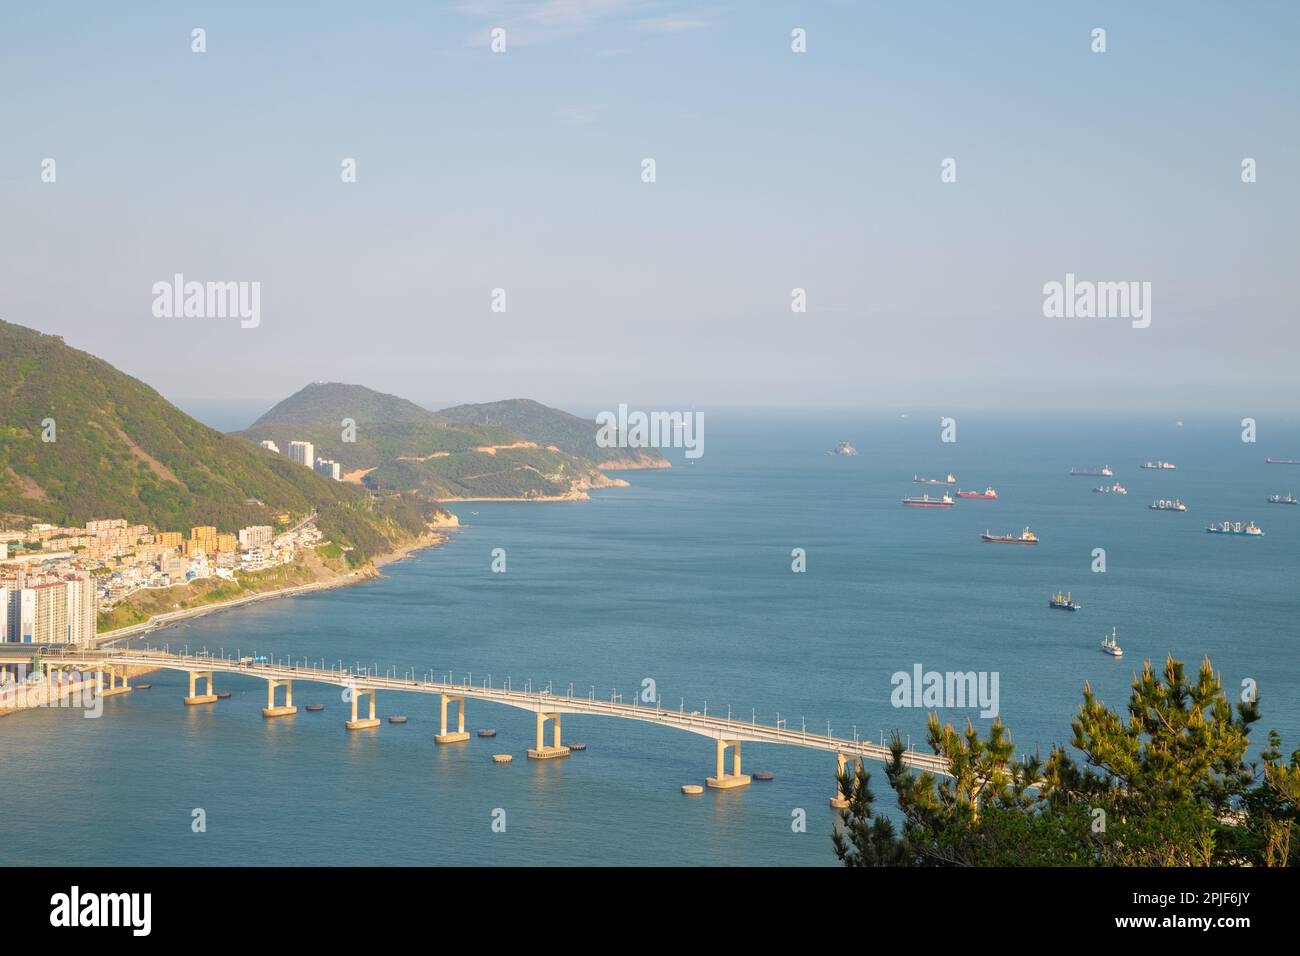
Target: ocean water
685, 578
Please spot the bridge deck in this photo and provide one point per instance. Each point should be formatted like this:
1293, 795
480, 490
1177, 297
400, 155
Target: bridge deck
717, 728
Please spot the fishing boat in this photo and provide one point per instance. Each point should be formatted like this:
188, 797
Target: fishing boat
1111, 646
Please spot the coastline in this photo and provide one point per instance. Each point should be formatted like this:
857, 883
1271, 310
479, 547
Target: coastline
635, 465
371, 572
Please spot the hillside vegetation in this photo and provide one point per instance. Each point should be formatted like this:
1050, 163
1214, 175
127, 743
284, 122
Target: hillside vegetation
121, 450
514, 449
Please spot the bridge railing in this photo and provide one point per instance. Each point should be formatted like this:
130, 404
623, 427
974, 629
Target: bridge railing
538, 700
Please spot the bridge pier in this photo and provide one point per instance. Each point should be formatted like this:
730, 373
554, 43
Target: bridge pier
541, 751
841, 799
196, 698
112, 689
724, 780
362, 723
271, 710
458, 735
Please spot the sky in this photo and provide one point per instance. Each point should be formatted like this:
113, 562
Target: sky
774, 170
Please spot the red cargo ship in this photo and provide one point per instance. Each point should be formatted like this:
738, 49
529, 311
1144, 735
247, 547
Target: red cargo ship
988, 494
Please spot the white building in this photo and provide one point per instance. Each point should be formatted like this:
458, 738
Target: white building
330, 469
302, 453
254, 536
271, 446
49, 612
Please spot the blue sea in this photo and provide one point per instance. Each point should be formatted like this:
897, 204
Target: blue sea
685, 579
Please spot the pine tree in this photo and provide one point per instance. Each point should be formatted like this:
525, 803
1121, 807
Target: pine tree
1167, 786
862, 840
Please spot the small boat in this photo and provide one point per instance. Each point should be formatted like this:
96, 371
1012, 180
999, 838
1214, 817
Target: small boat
315, 708
950, 480
1063, 602
1110, 646
1235, 527
397, 719
1164, 505
988, 494
1282, 500
925, 501
487, 733
1025, 537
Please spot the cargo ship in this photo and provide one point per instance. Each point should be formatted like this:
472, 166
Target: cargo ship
1115, 489
1163, 505
925, 501
1025, 537
1282, 461
1111, 646
1063, 602
1103, 472
988, 494
1234, 527
1283, 500
1159, 466
950, 480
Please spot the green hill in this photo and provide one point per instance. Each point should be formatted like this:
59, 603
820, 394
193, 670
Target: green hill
515, 449
551, 426
122, 450
328, 403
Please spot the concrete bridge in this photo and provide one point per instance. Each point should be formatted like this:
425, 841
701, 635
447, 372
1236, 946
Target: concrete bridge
550, 708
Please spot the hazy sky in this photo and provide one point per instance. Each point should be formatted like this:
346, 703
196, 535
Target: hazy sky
775, 170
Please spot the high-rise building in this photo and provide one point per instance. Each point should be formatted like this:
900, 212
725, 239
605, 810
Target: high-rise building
302, 453
48, 611
227, 542
169, 539
330, 469
44, 614
204, 538
5, 591
80, 591
254, 536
